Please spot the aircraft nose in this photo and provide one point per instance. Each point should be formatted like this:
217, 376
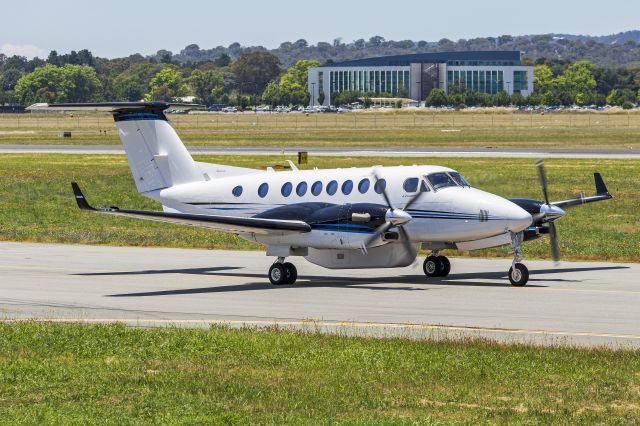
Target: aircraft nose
518, 219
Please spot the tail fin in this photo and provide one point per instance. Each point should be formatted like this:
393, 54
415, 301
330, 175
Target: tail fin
157, 157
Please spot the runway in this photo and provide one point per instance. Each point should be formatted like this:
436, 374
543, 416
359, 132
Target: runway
576, 303
625, 154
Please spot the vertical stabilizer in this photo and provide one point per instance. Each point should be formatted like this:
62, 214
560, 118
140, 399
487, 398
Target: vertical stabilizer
157, 157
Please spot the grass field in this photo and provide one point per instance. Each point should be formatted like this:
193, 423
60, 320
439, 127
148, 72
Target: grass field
74, 374
368, 129
37, 203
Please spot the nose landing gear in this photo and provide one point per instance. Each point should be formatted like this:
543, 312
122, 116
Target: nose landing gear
436, 266
282, 273
518, 273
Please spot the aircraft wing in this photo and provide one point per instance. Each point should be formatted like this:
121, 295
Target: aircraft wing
602, 193
231, 224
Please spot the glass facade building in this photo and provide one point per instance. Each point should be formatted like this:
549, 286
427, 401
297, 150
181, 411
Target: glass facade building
416, 75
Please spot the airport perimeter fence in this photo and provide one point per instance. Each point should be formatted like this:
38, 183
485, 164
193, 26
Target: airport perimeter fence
324, 121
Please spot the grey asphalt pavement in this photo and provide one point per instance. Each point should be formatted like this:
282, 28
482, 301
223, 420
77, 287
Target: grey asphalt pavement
575, 303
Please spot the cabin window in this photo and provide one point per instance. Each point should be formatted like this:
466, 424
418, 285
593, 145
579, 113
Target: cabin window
380, 186
363, 186
263, 189
237, 191
286, 189
347, 187
332, 187
411, 185
301, 189
316, 188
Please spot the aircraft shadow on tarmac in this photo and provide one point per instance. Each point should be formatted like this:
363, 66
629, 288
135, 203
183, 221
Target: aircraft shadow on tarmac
365, 283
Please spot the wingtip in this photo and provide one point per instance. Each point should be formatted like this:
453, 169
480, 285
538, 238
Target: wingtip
601, 188
80, 198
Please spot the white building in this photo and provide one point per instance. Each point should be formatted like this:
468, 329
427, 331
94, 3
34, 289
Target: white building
416, 75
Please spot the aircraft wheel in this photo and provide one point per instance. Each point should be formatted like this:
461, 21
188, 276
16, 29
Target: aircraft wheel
446, 266
278, 274
432, 266
292, 272
518, 275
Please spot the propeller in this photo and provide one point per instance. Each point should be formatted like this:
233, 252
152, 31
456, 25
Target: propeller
393, 218
549, 213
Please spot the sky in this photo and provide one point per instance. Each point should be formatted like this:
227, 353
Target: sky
117, 28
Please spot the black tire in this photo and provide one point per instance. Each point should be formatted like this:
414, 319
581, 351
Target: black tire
446, 266
432, 266
292, 272
518, 276
278, 274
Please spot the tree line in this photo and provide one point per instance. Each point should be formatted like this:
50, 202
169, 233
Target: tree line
259, 76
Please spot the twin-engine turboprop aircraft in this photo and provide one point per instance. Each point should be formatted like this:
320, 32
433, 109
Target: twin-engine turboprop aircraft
375, 217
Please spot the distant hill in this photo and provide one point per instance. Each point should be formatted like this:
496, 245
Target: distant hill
616, 50
619, 38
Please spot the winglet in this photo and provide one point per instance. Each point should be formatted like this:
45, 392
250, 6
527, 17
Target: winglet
601, 188
80, 198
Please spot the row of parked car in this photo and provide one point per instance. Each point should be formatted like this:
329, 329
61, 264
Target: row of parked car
280, 109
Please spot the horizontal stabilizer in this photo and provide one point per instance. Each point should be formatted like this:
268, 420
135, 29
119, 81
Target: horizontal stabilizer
114, 106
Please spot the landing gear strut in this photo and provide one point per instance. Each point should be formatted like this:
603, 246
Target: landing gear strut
436, 266
518, 273
282, 273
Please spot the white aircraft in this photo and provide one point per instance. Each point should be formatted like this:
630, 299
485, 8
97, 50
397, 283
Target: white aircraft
376, 217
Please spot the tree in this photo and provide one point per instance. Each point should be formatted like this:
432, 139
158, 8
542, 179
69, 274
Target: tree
578, 84
70, 83
274, 95
205, 84
619, 97
258, 68
292, 86
502, 98
542, 79
403, 92
437, 98
165, 85
222, 61
9, 78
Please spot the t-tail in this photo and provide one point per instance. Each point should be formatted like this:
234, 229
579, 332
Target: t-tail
156, 155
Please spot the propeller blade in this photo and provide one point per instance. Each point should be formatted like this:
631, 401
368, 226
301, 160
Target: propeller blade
384, 191
553, 236
406, 242
379, 231
543, 180
412, 201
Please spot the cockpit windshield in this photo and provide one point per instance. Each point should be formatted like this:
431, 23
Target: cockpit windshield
443, 179
460, 180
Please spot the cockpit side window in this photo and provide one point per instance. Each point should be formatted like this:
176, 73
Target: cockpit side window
440, 180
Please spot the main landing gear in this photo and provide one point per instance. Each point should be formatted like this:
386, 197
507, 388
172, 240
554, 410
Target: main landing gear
518, 273
282, 273
436, 266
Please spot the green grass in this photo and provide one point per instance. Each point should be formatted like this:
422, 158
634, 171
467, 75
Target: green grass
37, 203
380, 129
75, 374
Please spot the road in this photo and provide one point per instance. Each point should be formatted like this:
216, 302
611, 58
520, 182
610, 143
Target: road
626, 154
576, 303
